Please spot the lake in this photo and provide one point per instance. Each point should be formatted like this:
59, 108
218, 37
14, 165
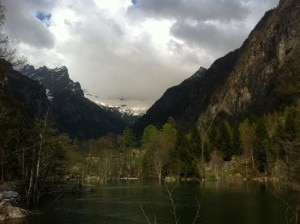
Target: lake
121, 203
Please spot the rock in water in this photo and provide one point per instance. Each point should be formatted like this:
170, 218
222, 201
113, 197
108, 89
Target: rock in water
8, 211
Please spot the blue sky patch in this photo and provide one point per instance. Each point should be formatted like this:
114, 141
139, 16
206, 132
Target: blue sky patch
44, 17
134, 2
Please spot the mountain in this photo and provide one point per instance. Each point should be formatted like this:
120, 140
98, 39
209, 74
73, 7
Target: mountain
187, 100
20, 94
121, 109
70, 111
266, 76
261, 76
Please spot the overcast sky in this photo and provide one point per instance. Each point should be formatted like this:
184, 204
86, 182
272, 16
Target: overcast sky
132, 49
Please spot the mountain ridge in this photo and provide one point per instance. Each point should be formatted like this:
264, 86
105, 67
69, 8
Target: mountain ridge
248, 79
253, 83
70, 111
178, 101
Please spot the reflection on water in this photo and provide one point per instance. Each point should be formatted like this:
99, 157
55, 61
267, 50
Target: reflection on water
245, 203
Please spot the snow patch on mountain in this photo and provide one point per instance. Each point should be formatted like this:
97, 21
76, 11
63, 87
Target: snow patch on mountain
122, 105
49, 95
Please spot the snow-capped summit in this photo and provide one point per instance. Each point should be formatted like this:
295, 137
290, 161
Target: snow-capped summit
59, 86
127, 110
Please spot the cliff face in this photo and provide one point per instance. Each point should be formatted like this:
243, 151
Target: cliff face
21, 93
187, 100
262, 75
267, 68
55, 81
70, 111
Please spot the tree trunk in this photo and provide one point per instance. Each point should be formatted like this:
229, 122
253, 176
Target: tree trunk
2, 165
35, 189
252, 159
29, 191
23, 164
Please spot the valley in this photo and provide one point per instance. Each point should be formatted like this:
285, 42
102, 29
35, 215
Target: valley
229, 132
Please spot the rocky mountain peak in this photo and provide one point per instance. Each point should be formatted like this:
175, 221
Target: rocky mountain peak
201, 69
54, 80
70, 111
198, 74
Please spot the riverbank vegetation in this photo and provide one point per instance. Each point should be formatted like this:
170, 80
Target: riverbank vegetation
264, 147
258, 148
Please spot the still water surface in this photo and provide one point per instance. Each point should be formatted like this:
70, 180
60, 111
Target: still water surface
121, 204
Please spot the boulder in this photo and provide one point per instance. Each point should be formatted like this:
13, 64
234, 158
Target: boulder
170, 179
8, 211
10, 194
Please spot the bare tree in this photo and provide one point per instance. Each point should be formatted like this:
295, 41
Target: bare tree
33, 186
6, 52
170, 197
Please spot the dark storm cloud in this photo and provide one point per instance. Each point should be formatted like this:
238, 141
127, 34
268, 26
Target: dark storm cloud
194, 9
213, 37
41, 4
215, 26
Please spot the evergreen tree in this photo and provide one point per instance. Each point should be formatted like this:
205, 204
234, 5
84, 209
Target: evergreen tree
277, 141
128, 139
180, 155
236, 141
290, 127
212, 136
288, 139
260, 145
195, 143
224, 142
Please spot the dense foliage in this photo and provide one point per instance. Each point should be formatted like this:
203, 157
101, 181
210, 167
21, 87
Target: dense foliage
258, 146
